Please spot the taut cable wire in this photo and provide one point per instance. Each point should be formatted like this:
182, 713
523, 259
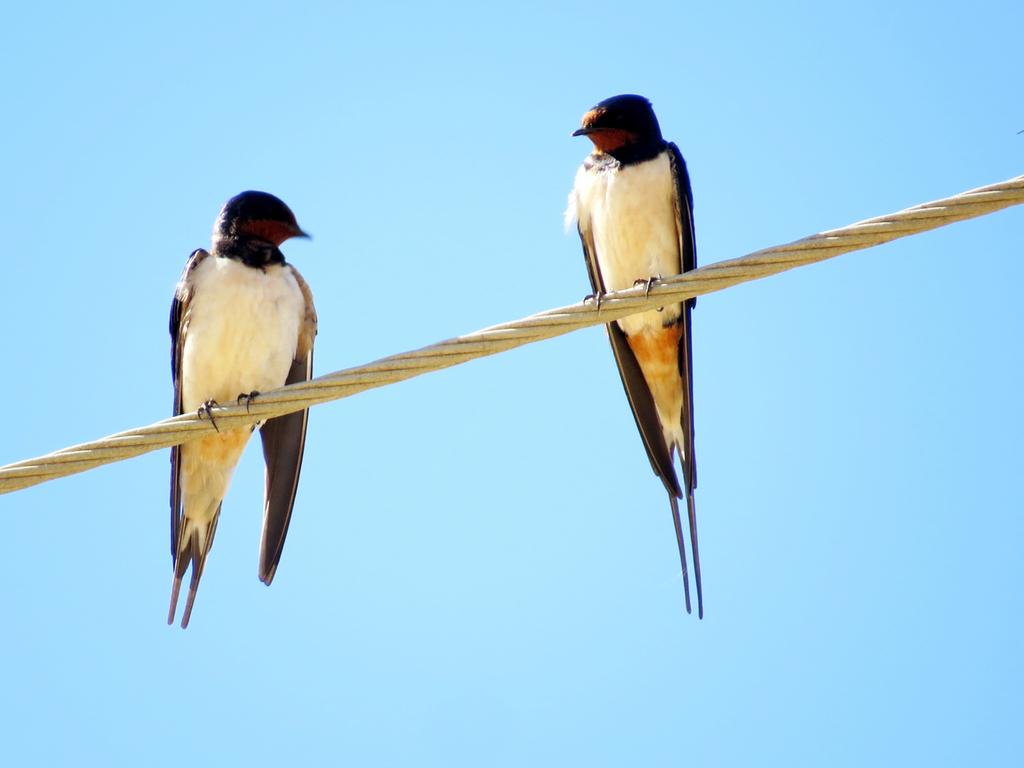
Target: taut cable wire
499, 338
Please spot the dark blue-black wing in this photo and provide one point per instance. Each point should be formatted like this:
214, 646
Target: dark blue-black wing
688, 258
284, 441
178, 325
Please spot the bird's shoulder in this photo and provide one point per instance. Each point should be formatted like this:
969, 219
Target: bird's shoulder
184, 291
309, 318
186, 284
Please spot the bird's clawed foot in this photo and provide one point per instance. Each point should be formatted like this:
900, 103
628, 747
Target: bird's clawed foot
647, 283
594, 297
205, 411
247, 397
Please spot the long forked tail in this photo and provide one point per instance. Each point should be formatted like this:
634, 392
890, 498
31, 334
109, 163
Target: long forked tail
194, 543
682, 547
691, 509
681, 542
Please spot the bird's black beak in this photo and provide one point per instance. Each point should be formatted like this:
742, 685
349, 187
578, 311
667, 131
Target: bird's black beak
299, 233
583, 131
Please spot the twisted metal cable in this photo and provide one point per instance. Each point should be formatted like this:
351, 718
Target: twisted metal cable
499, 338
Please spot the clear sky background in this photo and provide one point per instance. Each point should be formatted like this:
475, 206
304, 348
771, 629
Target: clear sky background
481, 568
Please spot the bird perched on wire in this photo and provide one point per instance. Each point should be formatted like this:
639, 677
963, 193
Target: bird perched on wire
242, 322
634, 210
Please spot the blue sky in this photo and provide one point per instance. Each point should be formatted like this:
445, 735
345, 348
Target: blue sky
481, 568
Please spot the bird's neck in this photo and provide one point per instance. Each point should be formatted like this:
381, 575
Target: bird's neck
638, 152
251, 251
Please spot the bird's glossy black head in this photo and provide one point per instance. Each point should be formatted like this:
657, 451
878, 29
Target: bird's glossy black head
621, 121
257, 215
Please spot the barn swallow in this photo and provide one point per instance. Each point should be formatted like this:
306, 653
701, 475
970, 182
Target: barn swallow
242, 322
634, 211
